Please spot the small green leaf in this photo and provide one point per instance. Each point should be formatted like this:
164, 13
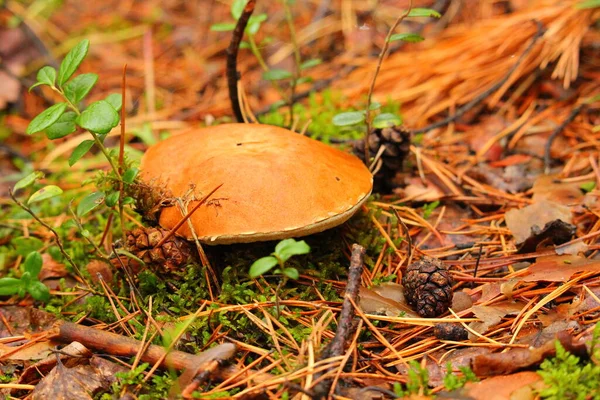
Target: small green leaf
128, 200
588, 186
291, 273
276, 75
222, 27
254, 23
77, 88
262, 265
348, 118
33, 263
386, 120
46, 118
63, 127
424, 12
130, 174
289, 247
115, 100
26, 278
407, 37
99, 117
39, 291
375, 106
237, 8
71, 62
112, 199
587, 4
89, 202
304, 79
45, 76
81, 149
244, 45
310, 63
24, 246
28, 180
9, 286
45, 193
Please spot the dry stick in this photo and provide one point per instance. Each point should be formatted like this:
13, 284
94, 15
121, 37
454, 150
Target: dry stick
117, 345
384, 50
345, 326
232, 52
185, 218
462, 110
56, 237
554, 134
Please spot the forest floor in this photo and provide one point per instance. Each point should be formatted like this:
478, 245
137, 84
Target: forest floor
490, 187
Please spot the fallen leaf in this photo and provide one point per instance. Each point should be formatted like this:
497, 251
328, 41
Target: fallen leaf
491, 316
550, 188
559, 268
52, 268
544, 221
37, 351
461, 301
373, 303
503, 387
391, 290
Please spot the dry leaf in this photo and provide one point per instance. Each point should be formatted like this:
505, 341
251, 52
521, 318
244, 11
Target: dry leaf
391, 290
540, 222
461, 301
373, 303
548, 187
491, 315
503, 387
37, 351
559, 268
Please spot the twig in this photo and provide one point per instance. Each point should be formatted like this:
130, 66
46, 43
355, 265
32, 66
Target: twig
384, 50
555, 133
232, 52
56, 237
297, 60
117, 345
462, 110
344, 329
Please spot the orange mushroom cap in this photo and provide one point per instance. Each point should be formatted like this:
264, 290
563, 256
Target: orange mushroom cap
275, 183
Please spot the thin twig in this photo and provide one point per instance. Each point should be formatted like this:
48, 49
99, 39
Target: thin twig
56, 237
462, 110
290, 21
232, 52
345, 325
555, 133
384, 50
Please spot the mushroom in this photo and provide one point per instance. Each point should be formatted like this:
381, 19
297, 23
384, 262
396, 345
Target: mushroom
275, 183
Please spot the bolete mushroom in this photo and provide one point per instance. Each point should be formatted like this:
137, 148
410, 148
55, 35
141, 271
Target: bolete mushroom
275, 183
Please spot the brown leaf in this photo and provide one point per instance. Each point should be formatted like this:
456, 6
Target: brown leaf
51, 268
27, 352
559, 268
539, 222
373, 303
548, 187
504, 387
75, 375
491, 315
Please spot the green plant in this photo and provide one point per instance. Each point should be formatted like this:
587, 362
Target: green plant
29, 282
294, 78
383, 120
565, 377
417, 383
428, 208
453, 382
283, 251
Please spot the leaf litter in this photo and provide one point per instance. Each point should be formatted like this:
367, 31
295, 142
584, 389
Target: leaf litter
495, 228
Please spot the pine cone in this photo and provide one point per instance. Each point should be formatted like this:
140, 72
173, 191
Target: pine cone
173, 254
428, 287
396, 140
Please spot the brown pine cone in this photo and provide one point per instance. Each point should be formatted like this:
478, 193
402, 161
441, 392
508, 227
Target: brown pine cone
396, 140
428, 287
173, 254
